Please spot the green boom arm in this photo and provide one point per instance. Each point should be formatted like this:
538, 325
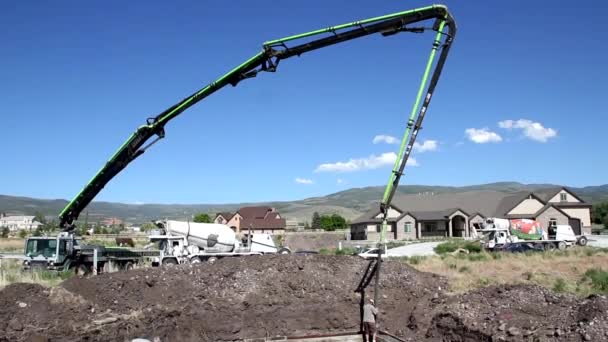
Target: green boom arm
267, 60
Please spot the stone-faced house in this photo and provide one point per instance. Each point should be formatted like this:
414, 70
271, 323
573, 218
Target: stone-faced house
456, 214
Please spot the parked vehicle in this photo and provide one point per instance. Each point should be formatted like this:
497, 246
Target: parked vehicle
190, 242
372, 253
67, 252
500, 232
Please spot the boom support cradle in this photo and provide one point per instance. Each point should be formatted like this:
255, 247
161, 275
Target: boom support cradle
267, 61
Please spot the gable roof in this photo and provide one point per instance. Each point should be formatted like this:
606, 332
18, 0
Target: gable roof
539, 212
258, 212
549, 193
511, 202
258, 218
226, 215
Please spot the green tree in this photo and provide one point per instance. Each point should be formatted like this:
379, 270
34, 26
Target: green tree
339, 222
606, 222
202, 218
327, 223
148, 226
316, 220
4, 232
599, 212
22, 233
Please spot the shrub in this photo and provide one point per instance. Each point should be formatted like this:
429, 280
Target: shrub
464, 269
346, 251
599, 279
559, 285
453, 245
416, 259
478, 257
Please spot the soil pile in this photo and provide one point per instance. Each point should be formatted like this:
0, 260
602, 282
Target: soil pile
231, 299
266, 296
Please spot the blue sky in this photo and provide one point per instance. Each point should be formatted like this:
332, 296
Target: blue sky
77, 78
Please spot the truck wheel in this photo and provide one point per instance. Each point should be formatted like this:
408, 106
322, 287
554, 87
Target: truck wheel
82, 270
195, 260
561, 245
169, 262
549, 246
582, 241
128, 266
211, 260
284, 250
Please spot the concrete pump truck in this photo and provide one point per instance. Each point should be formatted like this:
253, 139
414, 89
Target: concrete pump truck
66, 252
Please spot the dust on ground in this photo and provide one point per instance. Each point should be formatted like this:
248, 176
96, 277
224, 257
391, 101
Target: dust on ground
265, 296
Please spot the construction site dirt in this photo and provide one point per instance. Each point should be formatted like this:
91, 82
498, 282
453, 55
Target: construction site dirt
289, 295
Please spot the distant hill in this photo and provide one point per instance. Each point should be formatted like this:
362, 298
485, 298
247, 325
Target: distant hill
348, 203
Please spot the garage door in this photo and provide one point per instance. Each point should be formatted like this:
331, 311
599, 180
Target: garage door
576, 225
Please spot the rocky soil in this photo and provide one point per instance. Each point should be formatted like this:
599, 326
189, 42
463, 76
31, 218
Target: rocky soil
266, 296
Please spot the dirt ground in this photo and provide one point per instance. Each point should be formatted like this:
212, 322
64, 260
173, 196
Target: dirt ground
266, 296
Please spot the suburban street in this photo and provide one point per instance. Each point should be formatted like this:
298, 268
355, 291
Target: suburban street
423, 248
598, 241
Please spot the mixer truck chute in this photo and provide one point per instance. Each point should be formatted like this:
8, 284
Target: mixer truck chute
189, 242
273, 52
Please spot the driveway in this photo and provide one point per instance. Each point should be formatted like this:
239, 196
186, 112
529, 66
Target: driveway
422, 249
598, 240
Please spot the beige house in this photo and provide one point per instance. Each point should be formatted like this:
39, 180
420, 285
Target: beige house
457, 214
15, 223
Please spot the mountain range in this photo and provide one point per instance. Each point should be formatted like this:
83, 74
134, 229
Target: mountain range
348, 203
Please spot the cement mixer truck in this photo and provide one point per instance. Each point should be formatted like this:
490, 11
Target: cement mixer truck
499, 233
189, 242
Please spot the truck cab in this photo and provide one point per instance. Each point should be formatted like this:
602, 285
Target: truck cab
53, 253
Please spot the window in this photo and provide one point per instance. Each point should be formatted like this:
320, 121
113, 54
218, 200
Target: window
552, 222
378, 228
430, 226
563, 197
407, 227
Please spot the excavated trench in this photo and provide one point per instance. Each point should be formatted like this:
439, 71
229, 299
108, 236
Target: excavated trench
265, 297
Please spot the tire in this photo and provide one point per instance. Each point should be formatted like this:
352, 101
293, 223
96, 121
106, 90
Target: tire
284, 250
195, 260
82, 270
128, 266
549, 246
169, 262
212, 259
582, 241
561, 245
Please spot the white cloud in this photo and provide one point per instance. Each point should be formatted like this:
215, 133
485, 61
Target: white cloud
368, 163
340, 181
427, 145
304, 181
385, 139
533, 130
482, 135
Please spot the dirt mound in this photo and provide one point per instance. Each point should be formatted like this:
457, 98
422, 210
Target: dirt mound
232, 299
522, 313
266, 296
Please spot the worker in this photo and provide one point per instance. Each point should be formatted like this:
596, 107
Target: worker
369, 321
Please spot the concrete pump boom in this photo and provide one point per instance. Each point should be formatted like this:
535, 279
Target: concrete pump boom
267, 60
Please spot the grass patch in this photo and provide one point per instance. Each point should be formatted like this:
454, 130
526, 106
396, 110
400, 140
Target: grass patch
12, 245
453, 245
464, 269
559, 285
598, 278
11, 272
555, 270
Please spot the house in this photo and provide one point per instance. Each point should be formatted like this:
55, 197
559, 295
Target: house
259, 219
15, 223
420, 216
